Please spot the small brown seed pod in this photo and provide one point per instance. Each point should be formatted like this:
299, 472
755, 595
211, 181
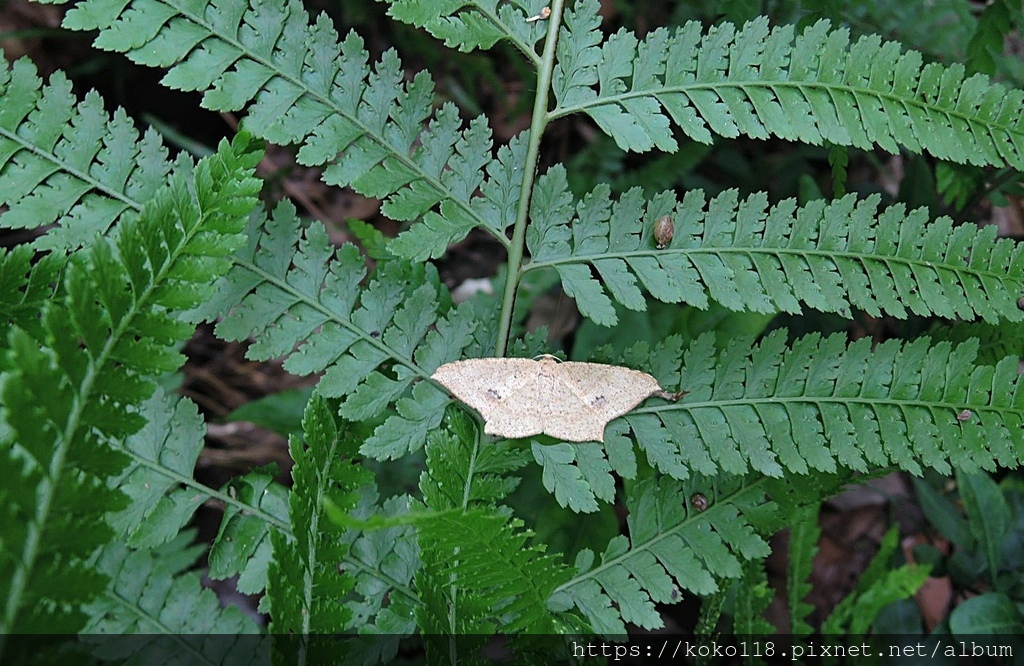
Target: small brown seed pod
699, 502
664, 230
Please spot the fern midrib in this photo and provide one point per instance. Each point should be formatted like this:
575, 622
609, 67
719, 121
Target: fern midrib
499, 557
719, 505
804, 534
322, 480
859, 257
81, 398
334, 317
161, 628
63, 167
326, 101
46, 487
45, 492
375, 572
600, 100
228, 500
859, 400
471, 470
501, 25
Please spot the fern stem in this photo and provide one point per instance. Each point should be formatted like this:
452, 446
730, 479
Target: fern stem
902, 403
537, 125
471, 470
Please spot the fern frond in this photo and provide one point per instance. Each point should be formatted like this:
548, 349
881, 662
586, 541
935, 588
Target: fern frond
879, 586
995, 341
26, 285
479, 562
306, 591
159, 477
462, 473
579, 474
475, 24
670, 547
68, 162
301, 86
748, 256
67, 393
242, 546
382, 563
823, 405
155, 593
164, 495
762, 82
371, 343
752, 597
478, 575
803, 546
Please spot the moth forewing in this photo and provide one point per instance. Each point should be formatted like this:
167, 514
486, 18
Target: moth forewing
520, 397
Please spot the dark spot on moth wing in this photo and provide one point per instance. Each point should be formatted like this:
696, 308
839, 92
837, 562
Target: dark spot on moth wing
598, 401
492, 394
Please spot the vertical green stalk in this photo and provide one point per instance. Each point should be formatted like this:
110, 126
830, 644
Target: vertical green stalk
537, 125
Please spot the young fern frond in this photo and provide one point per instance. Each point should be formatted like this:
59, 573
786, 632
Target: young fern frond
306, 592
304, 87
804, 534
476, 556
475, 24
879, 586
371, 343
480, 561
822, 405
465, 473
762, 82
68, 162
752, 595
68, 392
748, 256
